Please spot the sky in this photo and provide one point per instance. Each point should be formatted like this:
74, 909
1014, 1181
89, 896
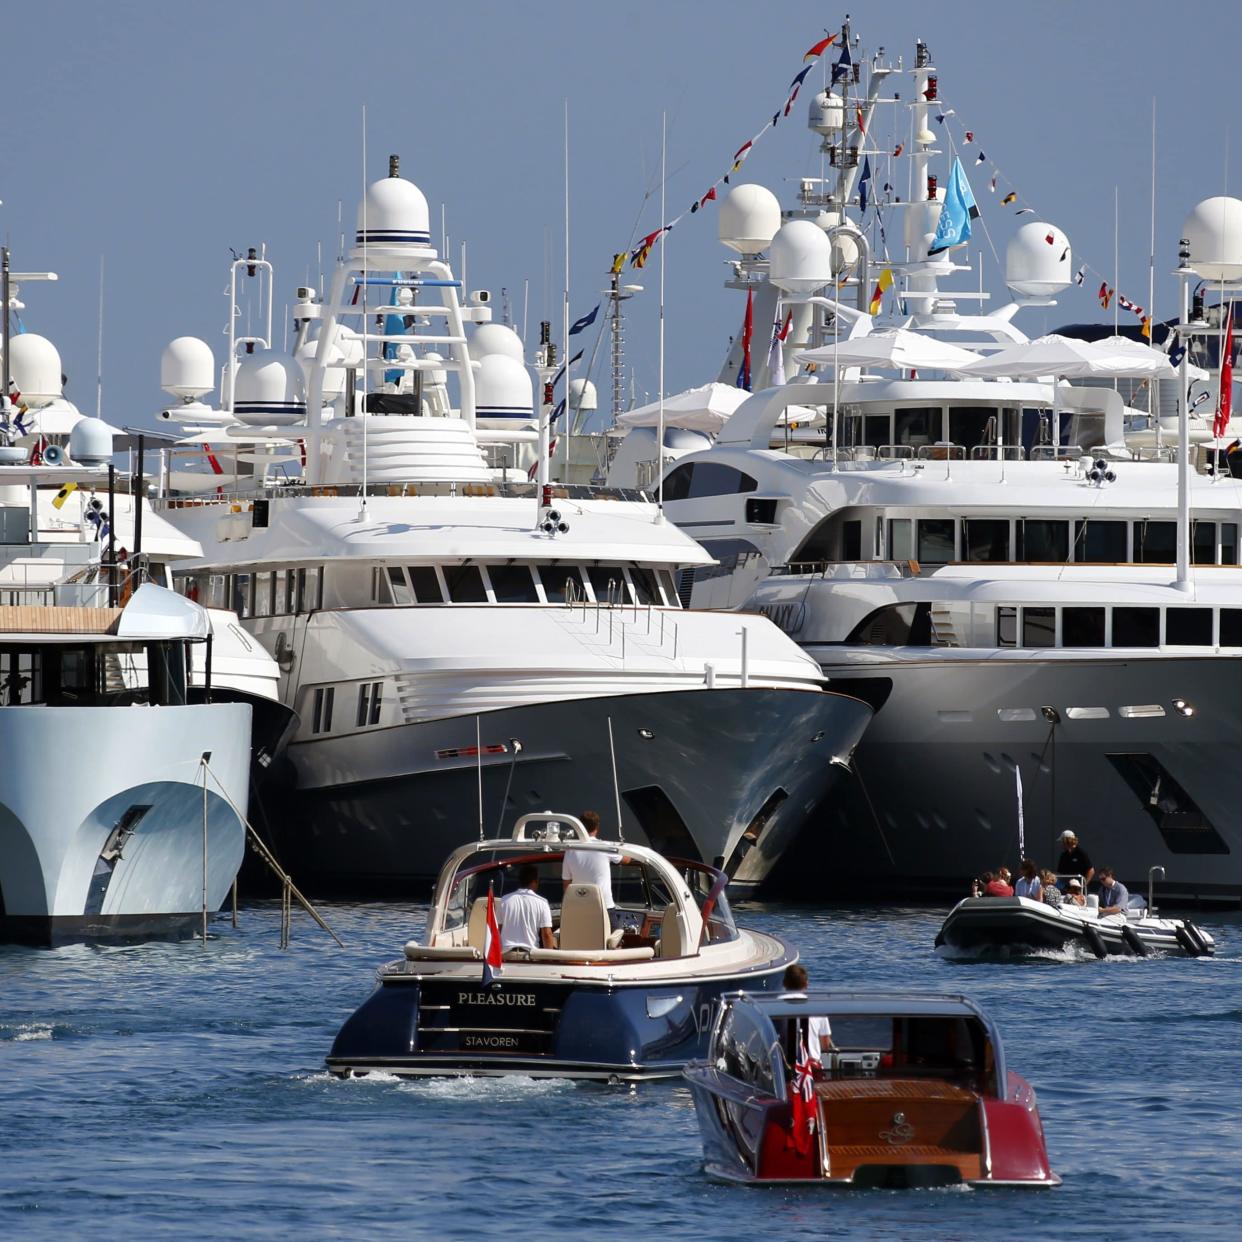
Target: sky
157, 136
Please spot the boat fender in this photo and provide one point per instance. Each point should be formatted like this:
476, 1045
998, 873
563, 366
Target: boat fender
1194, 942
1094, 940
1187, 941
1133, 941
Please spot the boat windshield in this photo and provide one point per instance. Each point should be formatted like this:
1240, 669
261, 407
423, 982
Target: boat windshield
707, 885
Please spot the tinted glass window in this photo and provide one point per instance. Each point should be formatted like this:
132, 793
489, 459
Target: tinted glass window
465, 584
712, 479
644, 585
426, 584
677, 485
1100, 542
1188, 627
1006, 627
935, 541
555, 579
400, 589
1082, 627
985, 539
851, 541
670, 588
1155, 542
1203, 543
1042, 540
513, 584
900, 540
1038, 627
1136, 627
1231, 627
608, 582
920, 426
1228, 543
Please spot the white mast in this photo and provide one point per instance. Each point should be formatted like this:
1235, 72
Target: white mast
663, 248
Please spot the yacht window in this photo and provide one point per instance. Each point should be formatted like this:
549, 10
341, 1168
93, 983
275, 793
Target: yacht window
558, 580
322, 719
935, 541
1203, 543
644, 585
399, 587
291, 592
1188, 627
369, 697
1228, 543
900, 540
263, 595
1155, 542
379, 586
1231, 627
608, 583
712, 479
21, 677
1039, 627
1082, 627
971, 425
670, 588
426, 583
310, 586
917, 426
1006, 627
242, 603
895, 625
677, 484
279, 579
465, 584
513, 584
851, 541
875, 430
1136, 627
1100, 543
985, 539
1040, 539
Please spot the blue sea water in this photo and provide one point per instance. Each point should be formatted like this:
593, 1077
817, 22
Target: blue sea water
178, 1090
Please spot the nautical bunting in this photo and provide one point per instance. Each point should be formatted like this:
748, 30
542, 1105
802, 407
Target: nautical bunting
1105, 295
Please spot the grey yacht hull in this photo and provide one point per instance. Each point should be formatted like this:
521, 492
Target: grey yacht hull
732, 775
1144, 782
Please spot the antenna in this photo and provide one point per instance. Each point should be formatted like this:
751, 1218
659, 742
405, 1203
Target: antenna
99, 358
616, 787
478, 751
660, 429
569, 418
366, 271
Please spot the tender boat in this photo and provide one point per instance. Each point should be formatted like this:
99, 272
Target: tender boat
1018, 924
620, 1005
915, 1092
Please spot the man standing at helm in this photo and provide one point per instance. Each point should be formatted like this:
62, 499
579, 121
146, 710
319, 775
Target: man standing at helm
1074, 859
593, 866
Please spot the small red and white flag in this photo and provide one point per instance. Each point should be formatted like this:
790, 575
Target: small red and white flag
1224, 405
802, 1101
492, 957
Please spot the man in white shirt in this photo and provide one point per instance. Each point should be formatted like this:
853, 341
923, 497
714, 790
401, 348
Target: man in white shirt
593, 866
819, 1029
525, 918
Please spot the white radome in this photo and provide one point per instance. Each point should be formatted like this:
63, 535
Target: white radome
495, 338
582, 395
1038, 260
800, 259
750, 216
504, 393
394, 212
187, 368
827, 113
1214, 230
267, 391
90, 442
34, 367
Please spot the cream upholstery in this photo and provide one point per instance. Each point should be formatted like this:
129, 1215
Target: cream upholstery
671, 941
477, 935
584, 918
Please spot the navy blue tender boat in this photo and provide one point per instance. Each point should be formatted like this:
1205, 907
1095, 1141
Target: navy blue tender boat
625, 1004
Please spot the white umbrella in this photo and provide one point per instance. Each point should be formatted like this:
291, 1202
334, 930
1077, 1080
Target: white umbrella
911, 351
706, 408
1122, 344
1066, 357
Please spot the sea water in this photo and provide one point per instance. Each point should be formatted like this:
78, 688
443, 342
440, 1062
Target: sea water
178, 1090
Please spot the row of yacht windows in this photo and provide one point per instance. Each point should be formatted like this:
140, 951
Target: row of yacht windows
370, 704
1118, 626
522, 584
279, 592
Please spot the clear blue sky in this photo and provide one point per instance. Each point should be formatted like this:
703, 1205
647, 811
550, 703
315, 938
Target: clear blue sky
160, 134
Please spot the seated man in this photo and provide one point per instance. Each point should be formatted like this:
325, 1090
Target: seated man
525, 918
1074, 894
819, 1029
1029, 884
999, 886
1114, 896
593, 866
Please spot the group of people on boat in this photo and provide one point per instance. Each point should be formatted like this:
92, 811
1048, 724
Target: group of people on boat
1067, 885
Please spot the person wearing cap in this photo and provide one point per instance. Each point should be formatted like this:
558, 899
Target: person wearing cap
1074, 859
1114, 896
1073, 892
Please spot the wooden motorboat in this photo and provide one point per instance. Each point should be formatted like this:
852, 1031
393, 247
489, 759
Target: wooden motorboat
612, 1003
914, 1091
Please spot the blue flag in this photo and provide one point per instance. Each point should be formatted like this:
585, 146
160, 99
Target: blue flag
864, 185
585, 322
843, 66
956, 212
1176, 354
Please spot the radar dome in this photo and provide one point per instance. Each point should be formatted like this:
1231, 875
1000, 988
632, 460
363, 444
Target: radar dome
801, 258
1214, 231
749, 218
267, 391
393, 213
90, 442
827, 113
495, 338
504, 394
582, 395
1038, 261
34, 365
187, 368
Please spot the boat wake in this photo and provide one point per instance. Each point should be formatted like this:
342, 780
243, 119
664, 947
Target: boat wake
27, 1030
465, 1087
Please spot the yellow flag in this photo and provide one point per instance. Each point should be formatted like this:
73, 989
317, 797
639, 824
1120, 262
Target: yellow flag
61, 496
1147, 327
618, 263
885, 282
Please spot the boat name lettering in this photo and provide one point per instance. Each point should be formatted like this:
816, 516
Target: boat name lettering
496, 998
489, 1041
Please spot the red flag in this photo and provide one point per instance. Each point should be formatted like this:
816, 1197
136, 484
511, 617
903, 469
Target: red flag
739, 156
492, 958
784, 332
858, 116
802, 1101
1224, 405
898, 149
1105, 295
708, 197
820, 48
748, 332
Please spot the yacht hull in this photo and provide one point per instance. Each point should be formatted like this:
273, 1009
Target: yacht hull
136, 785
934, 800
709, 775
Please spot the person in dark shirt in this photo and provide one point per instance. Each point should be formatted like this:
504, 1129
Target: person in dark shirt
1074, 859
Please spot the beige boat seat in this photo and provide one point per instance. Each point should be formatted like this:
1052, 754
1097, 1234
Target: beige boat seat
584, 918
476, 934
671, 941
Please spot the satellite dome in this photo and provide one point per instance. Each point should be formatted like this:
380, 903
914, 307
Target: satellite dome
582, 395
34, 365
749, 218
1214, 231
495, 338
1038, 260
187, 368
801, 258
827, 113
90, 441
393, 214
267, 391
504, 394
